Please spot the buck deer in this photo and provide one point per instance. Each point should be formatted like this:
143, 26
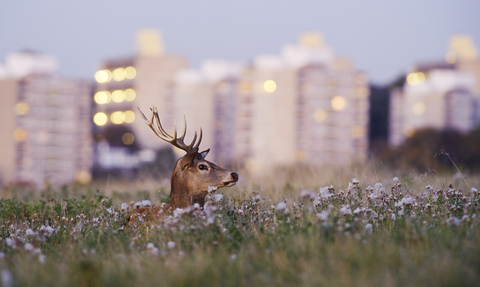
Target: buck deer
192, 175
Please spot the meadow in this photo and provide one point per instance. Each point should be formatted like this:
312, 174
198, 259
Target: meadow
292, 227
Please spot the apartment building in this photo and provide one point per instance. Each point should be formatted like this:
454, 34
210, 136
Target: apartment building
46, 123
143, 81
304, 105
442, 95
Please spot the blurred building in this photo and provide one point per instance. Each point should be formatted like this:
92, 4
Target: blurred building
442, 95
207, 98
304, 105
46, 126
144, 80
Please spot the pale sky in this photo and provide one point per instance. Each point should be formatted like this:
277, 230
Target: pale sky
382, 37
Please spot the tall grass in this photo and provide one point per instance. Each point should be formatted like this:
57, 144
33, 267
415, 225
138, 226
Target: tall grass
296, 226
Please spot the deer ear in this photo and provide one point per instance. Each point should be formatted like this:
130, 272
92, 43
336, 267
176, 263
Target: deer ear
203, 154
187, 159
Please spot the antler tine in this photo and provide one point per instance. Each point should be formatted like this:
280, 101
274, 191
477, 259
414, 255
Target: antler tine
193, 141
151, 125
184, 127
159, 125
161, 133
199, 140
142, 114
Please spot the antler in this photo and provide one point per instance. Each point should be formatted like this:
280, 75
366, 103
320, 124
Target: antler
177, 142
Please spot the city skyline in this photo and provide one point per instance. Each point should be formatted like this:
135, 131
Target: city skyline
382, 39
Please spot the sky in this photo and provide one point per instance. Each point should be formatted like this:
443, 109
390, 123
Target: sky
384, 38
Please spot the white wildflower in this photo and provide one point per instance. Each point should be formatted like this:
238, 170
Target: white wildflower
281, 206
355, 181
323, 216
344, 211
171, 244
124, 207
28, 247
307, 194
240, 211
211, 189
401, 212
29, 232
357, 210
369, 228
325, 193
378, 187
9, 242
7, 278
473, 190
233, 256
393, 216
453, 220
47, 230
373, 196
42, 258
395, 179
150, 245
146, 203
217, 197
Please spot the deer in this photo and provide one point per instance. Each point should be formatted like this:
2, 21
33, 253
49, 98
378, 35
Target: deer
193, 176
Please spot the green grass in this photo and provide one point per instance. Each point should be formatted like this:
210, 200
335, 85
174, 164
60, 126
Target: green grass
244, 240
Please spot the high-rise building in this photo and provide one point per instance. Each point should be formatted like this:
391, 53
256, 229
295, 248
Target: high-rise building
207, 98
438, 95
144, 80
46, 127
304, 105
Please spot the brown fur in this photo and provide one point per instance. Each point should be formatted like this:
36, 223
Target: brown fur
192, 175
189, 185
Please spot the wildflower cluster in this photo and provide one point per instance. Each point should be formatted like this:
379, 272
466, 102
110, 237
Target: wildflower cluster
47, 232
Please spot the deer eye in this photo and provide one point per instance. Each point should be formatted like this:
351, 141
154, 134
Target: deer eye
202, 167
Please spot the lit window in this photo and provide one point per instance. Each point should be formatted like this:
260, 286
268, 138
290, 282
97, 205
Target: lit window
270, 86
338, 103
320, 115
129, 117
128, 138
19, 135
118, 96
244, 87
451, 58
416, 78
102, 97
130, 95
130, 72
419, 108
119, 74
22, 108
358, 131
100, 119
103, 76
117, 117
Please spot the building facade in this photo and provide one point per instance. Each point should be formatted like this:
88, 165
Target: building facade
443, 95
142, 81
305, 105
47, 123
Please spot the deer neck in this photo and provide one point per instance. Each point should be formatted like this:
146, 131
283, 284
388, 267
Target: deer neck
182, 195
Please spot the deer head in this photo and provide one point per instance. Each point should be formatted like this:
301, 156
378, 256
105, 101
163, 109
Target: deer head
192, 175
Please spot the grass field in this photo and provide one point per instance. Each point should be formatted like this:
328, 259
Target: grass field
294, 227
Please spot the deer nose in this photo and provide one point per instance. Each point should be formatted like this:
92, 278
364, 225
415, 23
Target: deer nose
234, 175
